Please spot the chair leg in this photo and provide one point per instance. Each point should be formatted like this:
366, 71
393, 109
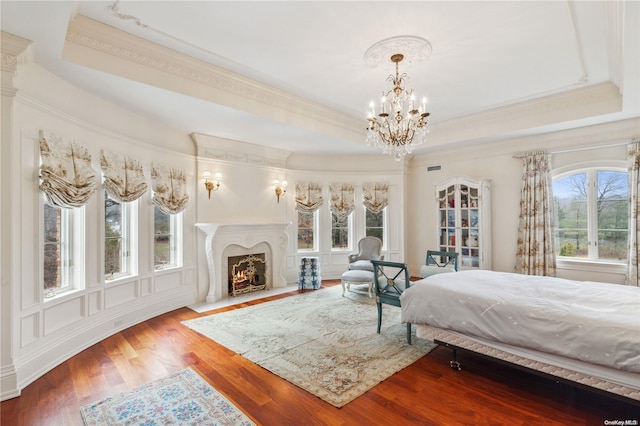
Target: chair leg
379, 316
343, 289
409, 333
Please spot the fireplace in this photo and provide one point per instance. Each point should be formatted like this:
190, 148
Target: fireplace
223, 241
247, 273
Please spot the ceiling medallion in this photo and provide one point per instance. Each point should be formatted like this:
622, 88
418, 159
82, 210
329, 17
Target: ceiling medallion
399, 126
413, 48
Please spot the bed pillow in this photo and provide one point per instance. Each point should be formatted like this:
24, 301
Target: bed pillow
428, 270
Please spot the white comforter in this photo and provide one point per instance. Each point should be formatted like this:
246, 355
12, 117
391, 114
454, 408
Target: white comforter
594, 322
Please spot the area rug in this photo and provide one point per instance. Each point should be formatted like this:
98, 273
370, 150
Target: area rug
320, 341
183, 398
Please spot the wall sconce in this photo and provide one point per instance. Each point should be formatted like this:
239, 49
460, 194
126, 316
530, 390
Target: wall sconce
211, 185
281, 188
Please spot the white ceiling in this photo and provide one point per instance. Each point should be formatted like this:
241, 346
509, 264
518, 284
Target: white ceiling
489, 60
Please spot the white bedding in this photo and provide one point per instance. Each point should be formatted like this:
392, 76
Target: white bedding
593, 322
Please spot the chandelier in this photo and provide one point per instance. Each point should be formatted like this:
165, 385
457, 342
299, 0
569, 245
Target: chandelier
399, 127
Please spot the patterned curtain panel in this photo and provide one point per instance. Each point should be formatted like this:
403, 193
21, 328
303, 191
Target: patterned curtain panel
66, 176
376, 196
123, 177
342, 199
536, 249
634, 209
308, 197
169, 188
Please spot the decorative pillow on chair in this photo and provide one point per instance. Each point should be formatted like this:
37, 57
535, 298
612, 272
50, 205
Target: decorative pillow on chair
428, 270
363, 265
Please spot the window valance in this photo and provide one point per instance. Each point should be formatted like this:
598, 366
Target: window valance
169, 188
308, 196
376, 196
66, 176
123, 177
342, 199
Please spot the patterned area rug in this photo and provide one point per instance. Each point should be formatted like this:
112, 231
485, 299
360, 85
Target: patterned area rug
320, 341
183, 398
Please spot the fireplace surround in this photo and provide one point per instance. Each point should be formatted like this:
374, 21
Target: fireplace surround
223, 240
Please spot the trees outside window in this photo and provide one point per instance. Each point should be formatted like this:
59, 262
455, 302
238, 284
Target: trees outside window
592, 214
62, 249
168, 239
307, 230
116, 229
56, 248
374, 224
340, 232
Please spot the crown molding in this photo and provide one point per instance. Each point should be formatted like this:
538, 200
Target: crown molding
589, 101
231, 151
14, 51
96, 45
596, 135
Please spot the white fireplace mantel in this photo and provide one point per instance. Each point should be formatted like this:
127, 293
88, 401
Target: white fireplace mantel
221, 235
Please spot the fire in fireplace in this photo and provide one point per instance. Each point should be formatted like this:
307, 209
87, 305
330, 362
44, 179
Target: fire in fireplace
247, 273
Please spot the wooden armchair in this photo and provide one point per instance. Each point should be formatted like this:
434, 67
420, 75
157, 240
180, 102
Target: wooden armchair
390, 280
438, 262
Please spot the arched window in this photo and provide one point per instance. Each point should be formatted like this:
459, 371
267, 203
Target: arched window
591, 207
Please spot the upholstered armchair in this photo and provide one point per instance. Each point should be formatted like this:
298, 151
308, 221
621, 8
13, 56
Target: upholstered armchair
369, 248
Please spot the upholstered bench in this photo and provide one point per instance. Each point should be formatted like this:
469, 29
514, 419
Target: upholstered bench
357, 276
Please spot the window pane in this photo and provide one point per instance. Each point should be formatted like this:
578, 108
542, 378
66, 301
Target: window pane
613, 220
53, 258
570, 197
306, 234
113, 245
339, 232
572, 243
374, 224
163, 246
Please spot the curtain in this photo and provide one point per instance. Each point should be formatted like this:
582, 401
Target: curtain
634, 208
376, 196
535, 248
308, 196
342, 199
66, 176
123, 177
169, 188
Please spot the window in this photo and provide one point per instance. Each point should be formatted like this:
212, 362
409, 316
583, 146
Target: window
168, 239
63, 249
591, 208
307, 230
374, 224
340, 232
118, 237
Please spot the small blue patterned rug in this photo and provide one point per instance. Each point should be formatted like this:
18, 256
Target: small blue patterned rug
183, 398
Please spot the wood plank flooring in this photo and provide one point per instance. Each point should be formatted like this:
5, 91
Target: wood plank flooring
427, 392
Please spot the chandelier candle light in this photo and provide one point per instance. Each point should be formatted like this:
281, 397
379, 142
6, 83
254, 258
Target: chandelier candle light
399, 127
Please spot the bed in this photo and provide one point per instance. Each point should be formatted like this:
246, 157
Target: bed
583, 332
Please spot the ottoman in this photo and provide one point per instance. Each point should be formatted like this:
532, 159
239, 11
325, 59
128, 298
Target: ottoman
357, 276
309, 276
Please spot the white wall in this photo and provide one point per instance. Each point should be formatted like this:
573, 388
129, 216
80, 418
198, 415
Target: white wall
44, 333
570, 148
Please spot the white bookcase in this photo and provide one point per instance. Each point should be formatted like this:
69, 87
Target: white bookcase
464, 222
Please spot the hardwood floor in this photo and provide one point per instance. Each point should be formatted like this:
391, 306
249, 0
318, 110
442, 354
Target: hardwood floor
427, 392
